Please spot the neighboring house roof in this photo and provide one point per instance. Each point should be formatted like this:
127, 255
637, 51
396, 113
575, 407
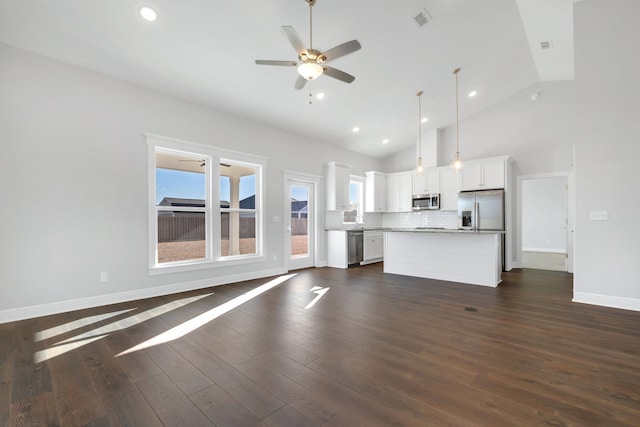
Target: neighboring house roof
175, 201
298, 205
248, 203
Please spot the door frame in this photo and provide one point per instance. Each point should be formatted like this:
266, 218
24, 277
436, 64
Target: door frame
571, 200
314, 231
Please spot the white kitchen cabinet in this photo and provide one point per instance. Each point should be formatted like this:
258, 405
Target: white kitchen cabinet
375, 195
373, 247
428, 183
486, 174
337, 249
337, 178
449, 188
399, 191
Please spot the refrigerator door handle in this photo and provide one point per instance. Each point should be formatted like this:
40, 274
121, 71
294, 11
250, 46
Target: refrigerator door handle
476, 217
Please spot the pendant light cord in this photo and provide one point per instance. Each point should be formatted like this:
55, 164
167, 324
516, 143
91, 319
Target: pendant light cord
456, 71
419, 95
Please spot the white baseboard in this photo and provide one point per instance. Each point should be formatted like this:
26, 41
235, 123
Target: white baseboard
547, 250
607, 301
29, 312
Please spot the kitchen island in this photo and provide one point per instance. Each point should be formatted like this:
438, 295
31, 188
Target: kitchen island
466, 256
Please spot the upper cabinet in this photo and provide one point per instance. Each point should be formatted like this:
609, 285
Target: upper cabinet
375, 192
428, 183
337, 178
449, 188
399, 191
484, 174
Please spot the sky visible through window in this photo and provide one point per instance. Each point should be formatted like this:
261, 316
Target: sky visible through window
191, 185
299, 193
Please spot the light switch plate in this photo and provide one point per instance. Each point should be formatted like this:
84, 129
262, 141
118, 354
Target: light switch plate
598, 215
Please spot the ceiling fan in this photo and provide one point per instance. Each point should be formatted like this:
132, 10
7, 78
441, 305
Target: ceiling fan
311, 62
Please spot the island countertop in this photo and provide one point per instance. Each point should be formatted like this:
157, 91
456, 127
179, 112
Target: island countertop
444, 230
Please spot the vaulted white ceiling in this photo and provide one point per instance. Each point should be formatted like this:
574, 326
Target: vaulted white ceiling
204, 51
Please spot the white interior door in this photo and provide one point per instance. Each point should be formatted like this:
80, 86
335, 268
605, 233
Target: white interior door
300, 235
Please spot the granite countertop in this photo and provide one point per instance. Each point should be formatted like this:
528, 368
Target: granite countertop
359, 229
445, 230
418, 230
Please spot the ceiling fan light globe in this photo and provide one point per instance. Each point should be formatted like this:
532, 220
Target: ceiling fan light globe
310, 70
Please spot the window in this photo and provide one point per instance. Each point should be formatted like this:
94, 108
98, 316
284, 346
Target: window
356, 202
237, 209
194, 223
181, 206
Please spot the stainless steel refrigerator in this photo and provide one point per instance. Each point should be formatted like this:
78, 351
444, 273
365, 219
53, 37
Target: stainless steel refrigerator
481, 210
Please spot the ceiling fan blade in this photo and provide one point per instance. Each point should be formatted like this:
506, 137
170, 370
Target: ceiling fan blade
342, 50
281, 63
295, 40
300, 82
337, 74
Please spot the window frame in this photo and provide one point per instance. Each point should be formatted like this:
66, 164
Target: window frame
213, 156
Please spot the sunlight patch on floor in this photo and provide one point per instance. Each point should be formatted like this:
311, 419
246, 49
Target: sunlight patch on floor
75, 324
316, 290
206, 317
92, 335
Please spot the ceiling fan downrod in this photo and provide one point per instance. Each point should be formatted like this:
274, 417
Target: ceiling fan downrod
311, 3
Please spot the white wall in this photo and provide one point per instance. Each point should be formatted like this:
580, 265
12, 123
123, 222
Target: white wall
74, 183
544, 214
406, 158
538, 135
607, 64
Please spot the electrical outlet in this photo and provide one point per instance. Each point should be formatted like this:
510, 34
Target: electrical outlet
275, 257
104, 277
598, 215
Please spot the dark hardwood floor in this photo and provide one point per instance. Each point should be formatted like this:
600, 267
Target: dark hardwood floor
374, 350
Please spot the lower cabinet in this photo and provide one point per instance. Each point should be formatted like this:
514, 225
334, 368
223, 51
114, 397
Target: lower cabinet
373, 247
337, 251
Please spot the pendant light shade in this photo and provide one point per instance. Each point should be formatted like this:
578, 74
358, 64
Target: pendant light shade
456, 164
419, 166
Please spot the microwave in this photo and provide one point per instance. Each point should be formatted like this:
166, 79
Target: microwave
425, 201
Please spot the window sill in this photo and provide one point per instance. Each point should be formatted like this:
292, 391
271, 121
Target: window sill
205, 264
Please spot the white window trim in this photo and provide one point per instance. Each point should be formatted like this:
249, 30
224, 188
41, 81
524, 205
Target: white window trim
212, 214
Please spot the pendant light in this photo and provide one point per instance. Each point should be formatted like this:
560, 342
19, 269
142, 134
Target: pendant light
456, 164
419, 166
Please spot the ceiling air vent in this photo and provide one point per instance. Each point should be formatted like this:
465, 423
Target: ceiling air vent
422, 18
546, 45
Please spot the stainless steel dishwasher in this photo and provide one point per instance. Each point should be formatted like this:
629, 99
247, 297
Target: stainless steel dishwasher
355, 245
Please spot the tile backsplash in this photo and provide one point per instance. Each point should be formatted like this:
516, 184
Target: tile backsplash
435, 218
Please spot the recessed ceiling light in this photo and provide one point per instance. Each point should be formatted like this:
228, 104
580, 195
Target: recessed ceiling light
148, 13
356, 129
385, 141
320, 95
424, 120
473, 93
